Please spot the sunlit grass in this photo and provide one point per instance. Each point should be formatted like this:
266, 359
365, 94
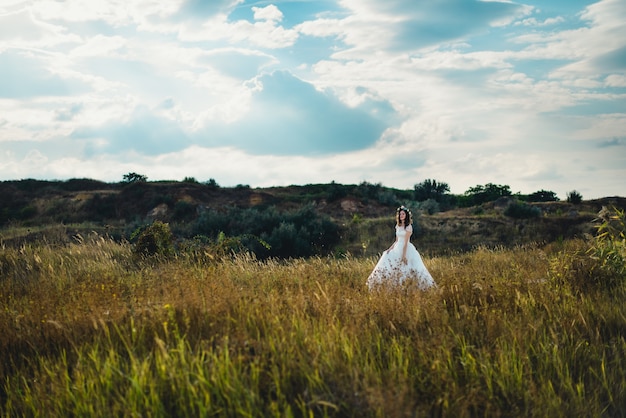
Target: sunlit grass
89, 330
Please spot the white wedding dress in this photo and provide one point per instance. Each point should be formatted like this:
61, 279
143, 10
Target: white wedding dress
391, 271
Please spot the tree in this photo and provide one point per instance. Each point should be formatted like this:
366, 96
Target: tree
368, 190
212, 183
430, 189
488, 193
134, 178
574, 197
542, 196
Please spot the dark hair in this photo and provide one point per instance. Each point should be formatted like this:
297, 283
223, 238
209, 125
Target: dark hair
408, 220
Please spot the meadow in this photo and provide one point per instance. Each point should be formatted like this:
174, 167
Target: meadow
90, 329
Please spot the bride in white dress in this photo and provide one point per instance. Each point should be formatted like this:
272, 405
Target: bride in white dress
401, 261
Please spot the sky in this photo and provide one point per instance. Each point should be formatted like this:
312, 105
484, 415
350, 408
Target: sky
531, 94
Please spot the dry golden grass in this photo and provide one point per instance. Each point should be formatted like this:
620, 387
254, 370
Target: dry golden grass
87, 330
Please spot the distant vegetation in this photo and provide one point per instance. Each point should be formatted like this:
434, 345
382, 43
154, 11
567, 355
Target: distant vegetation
291, 221
574, 197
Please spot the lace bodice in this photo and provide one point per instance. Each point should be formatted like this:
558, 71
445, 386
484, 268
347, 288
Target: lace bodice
401, 232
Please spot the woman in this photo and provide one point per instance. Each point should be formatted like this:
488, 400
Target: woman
401, 261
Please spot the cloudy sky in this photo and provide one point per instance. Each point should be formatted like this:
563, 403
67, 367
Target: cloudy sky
267, 93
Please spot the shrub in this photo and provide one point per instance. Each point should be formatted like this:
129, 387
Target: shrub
542, 196
609, 247
335, 191
387, 198
154, 240
430, 206
183, 211
101, 207
482, 194
266, 232
574, 197
212, 184
367, 190
522, 211
596, 264
27, 212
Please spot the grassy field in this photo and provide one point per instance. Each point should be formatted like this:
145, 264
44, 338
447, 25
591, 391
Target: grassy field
90, 330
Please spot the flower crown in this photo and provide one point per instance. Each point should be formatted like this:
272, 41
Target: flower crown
404, 208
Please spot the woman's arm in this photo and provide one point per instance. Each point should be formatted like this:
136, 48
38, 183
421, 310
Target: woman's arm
407, 236
392, 245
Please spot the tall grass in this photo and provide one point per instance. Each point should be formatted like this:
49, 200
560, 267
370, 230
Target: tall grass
88, 330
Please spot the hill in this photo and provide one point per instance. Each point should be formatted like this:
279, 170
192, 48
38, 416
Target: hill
362, 214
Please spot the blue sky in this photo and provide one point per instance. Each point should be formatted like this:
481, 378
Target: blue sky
269, 93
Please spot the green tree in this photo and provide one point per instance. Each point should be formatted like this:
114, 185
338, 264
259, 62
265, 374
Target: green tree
574, 197
488, 193
212, 183
134, 178
542, 196
430, 189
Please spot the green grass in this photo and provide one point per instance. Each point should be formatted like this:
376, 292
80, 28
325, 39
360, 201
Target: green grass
87, 330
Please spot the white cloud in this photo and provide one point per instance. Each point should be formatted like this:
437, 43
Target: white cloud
603, 127
20, 29
531, 21
270, 13
265, 32
606, 33
615, 80
466, 92
83, 10
99, 45
117, 13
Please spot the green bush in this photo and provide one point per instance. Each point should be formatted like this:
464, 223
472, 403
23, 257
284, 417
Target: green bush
154, 240
212, 184
183, 211
430, 206
266, 232
387, 198
522, 211
574, 197
597, 264
542, 196
482, 194
101, 207
367, 190
335, 191
609, 248
27, 212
